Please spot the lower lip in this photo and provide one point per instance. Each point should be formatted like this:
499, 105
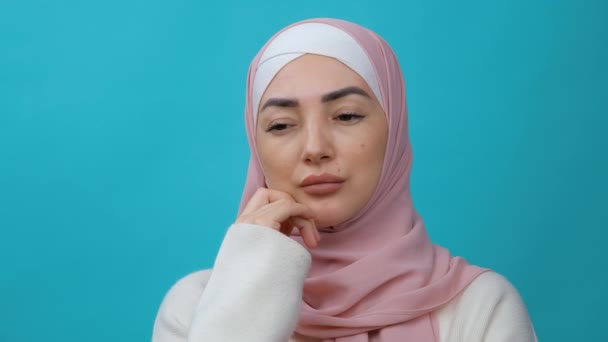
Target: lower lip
322, 188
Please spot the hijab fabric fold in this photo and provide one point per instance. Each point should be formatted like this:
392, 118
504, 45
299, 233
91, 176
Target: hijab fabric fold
376, 277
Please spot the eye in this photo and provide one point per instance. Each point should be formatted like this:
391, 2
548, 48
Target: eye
349, 117
278, 126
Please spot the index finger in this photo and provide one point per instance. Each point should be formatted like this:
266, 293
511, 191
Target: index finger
265, 196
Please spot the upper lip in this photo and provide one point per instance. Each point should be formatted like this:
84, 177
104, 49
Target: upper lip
320, 179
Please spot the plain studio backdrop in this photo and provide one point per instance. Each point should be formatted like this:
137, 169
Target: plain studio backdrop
123, 150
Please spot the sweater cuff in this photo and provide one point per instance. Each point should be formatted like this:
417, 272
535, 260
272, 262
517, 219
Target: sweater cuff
248, 249
255, 288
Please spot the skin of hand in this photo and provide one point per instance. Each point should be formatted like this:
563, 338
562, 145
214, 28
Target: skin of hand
279, 211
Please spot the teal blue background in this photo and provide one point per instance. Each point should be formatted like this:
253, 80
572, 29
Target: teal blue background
123, 153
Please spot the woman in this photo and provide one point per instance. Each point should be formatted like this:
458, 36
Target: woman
327, 245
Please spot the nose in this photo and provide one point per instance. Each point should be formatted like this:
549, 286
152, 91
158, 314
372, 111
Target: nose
318, 145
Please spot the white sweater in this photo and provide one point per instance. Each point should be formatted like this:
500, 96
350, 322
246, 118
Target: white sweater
254, 293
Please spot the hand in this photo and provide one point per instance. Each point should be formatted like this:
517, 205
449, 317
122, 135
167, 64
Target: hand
279, 211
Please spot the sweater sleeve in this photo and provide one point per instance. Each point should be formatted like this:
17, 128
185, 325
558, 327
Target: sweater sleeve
252, 294
489, 310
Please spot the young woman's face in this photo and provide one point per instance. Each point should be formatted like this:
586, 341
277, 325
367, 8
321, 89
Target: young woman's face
321, 136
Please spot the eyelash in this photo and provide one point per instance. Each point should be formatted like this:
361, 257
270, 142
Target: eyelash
344, 117
350, 115
277, 126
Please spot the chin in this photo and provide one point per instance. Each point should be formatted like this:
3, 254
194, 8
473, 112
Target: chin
328, 211
327, 215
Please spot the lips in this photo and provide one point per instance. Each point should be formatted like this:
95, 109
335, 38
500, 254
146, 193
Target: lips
324, 184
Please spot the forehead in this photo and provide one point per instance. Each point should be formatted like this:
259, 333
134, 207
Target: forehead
311, 76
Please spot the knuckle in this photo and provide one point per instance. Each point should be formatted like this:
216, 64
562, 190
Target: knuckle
283, 202
258, 221
261, 191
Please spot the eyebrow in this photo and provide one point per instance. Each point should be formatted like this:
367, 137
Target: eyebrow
332, 96
277, 102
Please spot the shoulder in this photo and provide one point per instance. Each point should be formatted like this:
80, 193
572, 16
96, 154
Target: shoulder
179, 304
479, 297
490, 286
489, 309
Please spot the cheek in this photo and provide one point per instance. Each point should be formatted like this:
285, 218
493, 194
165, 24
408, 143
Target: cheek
277, 163
371, 152
370, 149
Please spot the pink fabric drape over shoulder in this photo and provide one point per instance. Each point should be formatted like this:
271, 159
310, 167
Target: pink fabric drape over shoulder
376, 277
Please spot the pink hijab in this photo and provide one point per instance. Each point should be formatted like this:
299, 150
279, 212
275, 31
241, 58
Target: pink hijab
376, 277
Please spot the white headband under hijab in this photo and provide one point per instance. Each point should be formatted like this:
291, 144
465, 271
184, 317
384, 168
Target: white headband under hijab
312, 38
